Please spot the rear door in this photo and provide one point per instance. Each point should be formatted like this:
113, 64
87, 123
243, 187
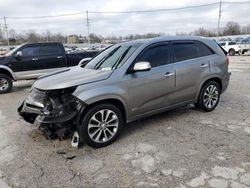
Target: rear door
192, 64
51, 57
148, 90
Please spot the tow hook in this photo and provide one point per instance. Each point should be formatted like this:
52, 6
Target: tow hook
75, 142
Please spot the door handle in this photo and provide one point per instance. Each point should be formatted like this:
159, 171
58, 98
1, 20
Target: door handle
34, 59
169, 74
204, 65
59, 57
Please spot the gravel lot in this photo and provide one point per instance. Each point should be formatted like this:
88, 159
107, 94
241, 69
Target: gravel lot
179, 148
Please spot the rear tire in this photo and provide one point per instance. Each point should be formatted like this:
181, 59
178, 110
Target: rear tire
232, 52
209, 96
101, 125
5, 83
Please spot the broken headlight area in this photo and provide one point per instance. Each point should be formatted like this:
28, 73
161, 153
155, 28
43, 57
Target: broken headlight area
59, 106
55, 111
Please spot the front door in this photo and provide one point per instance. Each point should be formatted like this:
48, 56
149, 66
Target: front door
152, 90
28, 64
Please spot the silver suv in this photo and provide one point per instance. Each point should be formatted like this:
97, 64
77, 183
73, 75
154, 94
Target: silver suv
128, 81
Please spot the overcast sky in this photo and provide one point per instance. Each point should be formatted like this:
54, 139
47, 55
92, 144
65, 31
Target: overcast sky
168, 22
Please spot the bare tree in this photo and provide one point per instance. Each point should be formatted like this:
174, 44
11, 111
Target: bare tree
12, 34
95, 38
58, 38
32, 36
204, 32
1, 33
48, 36
245, 29
232, 28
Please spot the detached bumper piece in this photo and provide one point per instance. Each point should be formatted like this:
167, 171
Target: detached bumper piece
29, 117
55, 111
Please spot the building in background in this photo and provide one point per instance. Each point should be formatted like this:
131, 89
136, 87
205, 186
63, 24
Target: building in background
72, 39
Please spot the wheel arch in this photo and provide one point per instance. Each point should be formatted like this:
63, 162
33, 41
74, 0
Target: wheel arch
7, 71
217, 79
111, 100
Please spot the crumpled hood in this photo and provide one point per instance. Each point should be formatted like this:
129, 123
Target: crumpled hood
70, 77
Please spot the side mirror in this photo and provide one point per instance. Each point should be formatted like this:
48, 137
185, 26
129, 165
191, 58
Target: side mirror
18, 55
141, 66
84, 61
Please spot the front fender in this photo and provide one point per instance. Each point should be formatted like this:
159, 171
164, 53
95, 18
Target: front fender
93, 95
9, 70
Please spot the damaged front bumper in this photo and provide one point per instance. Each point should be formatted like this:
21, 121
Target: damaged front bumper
56, 111
32, 106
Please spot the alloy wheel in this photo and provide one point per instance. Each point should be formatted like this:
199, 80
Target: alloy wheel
3, 84
103, 126
211, 96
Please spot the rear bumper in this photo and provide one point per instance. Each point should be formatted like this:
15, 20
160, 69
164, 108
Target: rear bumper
225, 81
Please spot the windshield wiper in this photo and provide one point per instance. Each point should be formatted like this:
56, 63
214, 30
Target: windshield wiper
121, 58
97, 66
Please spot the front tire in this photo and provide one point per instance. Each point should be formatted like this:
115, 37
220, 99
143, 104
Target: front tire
5, 83
101, 125
209, 96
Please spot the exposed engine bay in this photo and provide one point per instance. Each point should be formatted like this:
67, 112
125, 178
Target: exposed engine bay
56, 112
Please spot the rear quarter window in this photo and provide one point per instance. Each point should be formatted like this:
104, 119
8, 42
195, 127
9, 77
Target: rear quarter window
204, 49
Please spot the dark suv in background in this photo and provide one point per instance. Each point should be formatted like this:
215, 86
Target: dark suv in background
29, 61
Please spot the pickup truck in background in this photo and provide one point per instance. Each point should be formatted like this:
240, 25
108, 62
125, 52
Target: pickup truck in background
230, 47
245, 45
233, 48
32, 60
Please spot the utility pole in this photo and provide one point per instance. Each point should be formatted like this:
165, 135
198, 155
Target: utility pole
1, 33
6, 30
218, 27
87, 16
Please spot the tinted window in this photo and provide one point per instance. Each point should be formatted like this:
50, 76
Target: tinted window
30, 51
231, 43
185, 51
48, 50
222, 44
157, 55
204, 50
